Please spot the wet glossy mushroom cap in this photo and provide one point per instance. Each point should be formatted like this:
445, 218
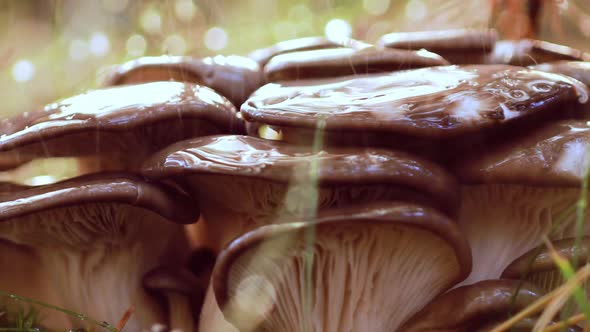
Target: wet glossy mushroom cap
471, 308
263, 55
579, 70
96, 236
357, 256
526, 52
539, 268
123, 124
335, 62
431, 111
253, 158
520, 191
460, 46
234, 77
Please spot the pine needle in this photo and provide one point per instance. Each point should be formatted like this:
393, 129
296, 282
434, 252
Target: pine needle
126, 316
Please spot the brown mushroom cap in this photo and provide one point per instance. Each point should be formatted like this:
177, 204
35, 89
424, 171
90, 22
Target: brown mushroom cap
426, 110
263, 55
469, 308
234, 77
460, 46
527, 52
334, 62
345, 244
128, 123
579, 70
250, 157
554, 155
120, 188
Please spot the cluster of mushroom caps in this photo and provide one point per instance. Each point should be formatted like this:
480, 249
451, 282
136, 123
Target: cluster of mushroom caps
337, 185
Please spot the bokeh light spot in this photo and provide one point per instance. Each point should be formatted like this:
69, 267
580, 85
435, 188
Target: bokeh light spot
23, 71
99, 44
338, 29
174, 45
185, 10
216, 39
151, 21
416, 10
136, 45
376, 7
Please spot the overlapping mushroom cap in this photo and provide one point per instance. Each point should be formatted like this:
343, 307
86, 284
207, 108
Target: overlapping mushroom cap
263, 55
233, 76
459, 46
335, 62
521, 191
97, 235
527, 52
579, 70
369, 269
476, 308
431, 111
122, 124
243, 181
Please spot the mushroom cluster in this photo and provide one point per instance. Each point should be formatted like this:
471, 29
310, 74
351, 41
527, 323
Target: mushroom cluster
314, 185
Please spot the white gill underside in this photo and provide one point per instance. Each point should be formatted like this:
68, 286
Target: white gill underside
234, 205
502, 222
364, 279
96, 255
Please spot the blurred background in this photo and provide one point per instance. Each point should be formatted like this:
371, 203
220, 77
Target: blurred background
50, 49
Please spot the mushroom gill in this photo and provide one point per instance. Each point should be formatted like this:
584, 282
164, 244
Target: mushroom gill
336, 273
515, 194
97, 236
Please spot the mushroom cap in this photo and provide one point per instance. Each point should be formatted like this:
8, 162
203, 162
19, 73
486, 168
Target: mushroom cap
263, 55
333, 62
456, 40
422, 106
377, 214
554, 155
579, 70
468, 308
526, 52
235, 77
120, 188
252, 157
540, 260
98, 121
170, 279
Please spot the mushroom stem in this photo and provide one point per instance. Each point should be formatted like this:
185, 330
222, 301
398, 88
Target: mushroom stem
180, 312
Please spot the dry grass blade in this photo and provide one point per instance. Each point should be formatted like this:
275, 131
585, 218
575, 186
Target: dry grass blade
571, 321
126, 316
540, 304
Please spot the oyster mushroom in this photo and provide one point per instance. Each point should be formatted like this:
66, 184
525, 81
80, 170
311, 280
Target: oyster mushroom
235, 77
97, 236
263, 55
117, 127
334, 62
244, 182
438, 112
526, 52
539, 268
515, 194
281, 278
460, 46
477, 308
